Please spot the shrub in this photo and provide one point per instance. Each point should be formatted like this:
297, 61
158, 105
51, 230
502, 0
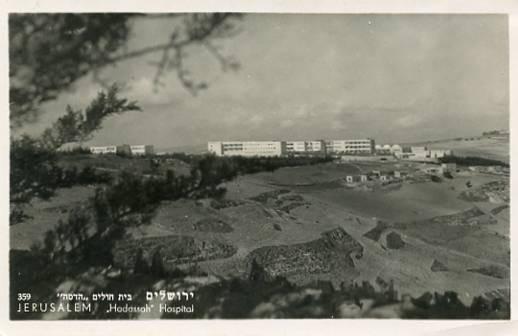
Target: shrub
447, 175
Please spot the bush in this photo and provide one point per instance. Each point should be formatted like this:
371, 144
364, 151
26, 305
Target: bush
447, 175
70, 177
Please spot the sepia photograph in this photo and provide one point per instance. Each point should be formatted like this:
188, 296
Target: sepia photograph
259, 166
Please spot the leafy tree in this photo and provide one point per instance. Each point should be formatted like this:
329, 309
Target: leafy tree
35, 167
34, 173
79, 126
49, 52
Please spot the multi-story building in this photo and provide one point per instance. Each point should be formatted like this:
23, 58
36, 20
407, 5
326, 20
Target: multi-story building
295, 146
247, 148
216, 147
305, 147
280, 148
112, 149
358, 146
142, 149
315, 146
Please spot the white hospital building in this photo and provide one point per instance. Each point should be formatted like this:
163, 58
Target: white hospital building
356, 146
142, 149
111, 149
299, 147
247, 148
305, 147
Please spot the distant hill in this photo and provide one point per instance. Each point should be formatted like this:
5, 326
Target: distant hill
490, 147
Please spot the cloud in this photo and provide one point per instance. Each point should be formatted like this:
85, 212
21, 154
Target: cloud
286, 123
256, 119
354, 80
144, 91
409, 120
338, 125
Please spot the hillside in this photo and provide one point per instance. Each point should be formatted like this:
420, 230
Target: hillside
495, 148
307, 225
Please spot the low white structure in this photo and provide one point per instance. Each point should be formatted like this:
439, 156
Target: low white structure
421, 153
433, 170
449, 167
356, 178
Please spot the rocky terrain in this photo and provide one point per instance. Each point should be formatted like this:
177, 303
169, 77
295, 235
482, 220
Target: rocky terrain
422, 236
173, 249
335, 249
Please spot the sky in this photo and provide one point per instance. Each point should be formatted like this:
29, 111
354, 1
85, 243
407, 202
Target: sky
394, 78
